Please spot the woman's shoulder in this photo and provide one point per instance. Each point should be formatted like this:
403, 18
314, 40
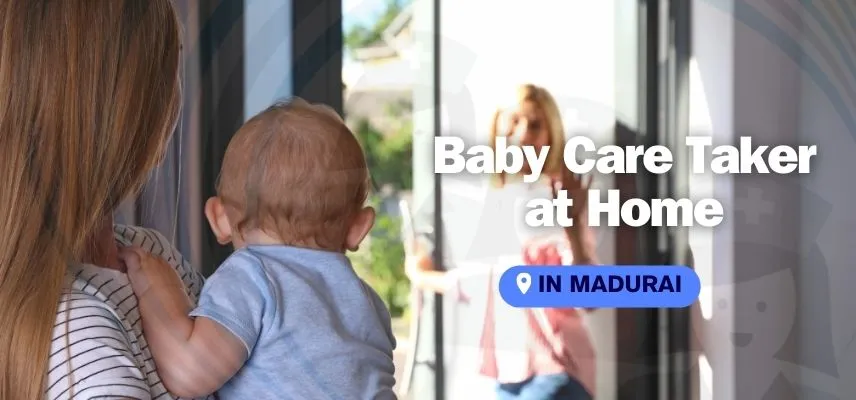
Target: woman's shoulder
149, 240
97, 345
98, 342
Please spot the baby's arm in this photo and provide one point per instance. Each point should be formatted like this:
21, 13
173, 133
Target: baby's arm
194, 356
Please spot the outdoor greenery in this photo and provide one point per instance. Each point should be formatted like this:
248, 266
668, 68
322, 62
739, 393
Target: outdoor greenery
390, 159
381, 263
389, 153
359, 36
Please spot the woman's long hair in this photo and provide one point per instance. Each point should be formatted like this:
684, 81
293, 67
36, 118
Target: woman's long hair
543, 100
89, 95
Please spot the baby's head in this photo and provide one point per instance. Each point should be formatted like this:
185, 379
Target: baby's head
293, 174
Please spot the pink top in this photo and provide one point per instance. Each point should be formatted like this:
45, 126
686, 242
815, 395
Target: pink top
561, 346
485, 227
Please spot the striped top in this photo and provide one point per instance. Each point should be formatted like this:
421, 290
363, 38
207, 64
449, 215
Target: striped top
98, 349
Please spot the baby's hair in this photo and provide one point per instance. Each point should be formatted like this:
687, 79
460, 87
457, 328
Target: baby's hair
296, 171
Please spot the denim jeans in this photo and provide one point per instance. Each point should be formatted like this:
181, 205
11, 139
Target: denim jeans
543, 387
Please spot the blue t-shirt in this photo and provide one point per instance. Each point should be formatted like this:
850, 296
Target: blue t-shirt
313, 329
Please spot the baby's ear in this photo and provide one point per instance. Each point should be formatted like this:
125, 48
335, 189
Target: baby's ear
218, 220
360, 227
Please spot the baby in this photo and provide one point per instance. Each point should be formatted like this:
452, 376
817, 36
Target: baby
285, 316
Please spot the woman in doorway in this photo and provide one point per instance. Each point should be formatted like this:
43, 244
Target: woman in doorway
89, 96
537, 354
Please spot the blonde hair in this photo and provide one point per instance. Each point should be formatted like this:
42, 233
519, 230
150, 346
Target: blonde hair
544, 102
89, 95
297, 171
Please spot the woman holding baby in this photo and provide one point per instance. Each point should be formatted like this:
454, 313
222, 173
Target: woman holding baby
537, 354
89, 96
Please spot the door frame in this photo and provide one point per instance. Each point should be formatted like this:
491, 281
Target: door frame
653, 344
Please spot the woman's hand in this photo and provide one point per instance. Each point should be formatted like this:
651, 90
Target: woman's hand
422, 273
417, 265
421, 261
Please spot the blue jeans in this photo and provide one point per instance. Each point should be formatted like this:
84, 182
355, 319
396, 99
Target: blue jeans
543, 387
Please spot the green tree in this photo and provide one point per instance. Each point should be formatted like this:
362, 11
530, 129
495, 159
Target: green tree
389, 155
359, 36
381, 263
390, 159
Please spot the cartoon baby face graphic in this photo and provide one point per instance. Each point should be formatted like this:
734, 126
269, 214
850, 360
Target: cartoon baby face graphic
763, 309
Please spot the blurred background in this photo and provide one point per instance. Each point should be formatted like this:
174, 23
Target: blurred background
776, 317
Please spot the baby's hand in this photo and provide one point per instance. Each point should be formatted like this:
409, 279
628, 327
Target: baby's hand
148, 273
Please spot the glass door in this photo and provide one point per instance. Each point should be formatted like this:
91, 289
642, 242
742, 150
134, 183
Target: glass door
417, 69
601, 64
677, 89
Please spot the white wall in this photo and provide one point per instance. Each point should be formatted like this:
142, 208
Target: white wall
488, 47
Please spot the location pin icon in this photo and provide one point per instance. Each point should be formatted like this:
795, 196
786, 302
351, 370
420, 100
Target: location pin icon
523, 282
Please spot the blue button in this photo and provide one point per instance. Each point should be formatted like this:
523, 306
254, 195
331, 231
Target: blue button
602, 286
